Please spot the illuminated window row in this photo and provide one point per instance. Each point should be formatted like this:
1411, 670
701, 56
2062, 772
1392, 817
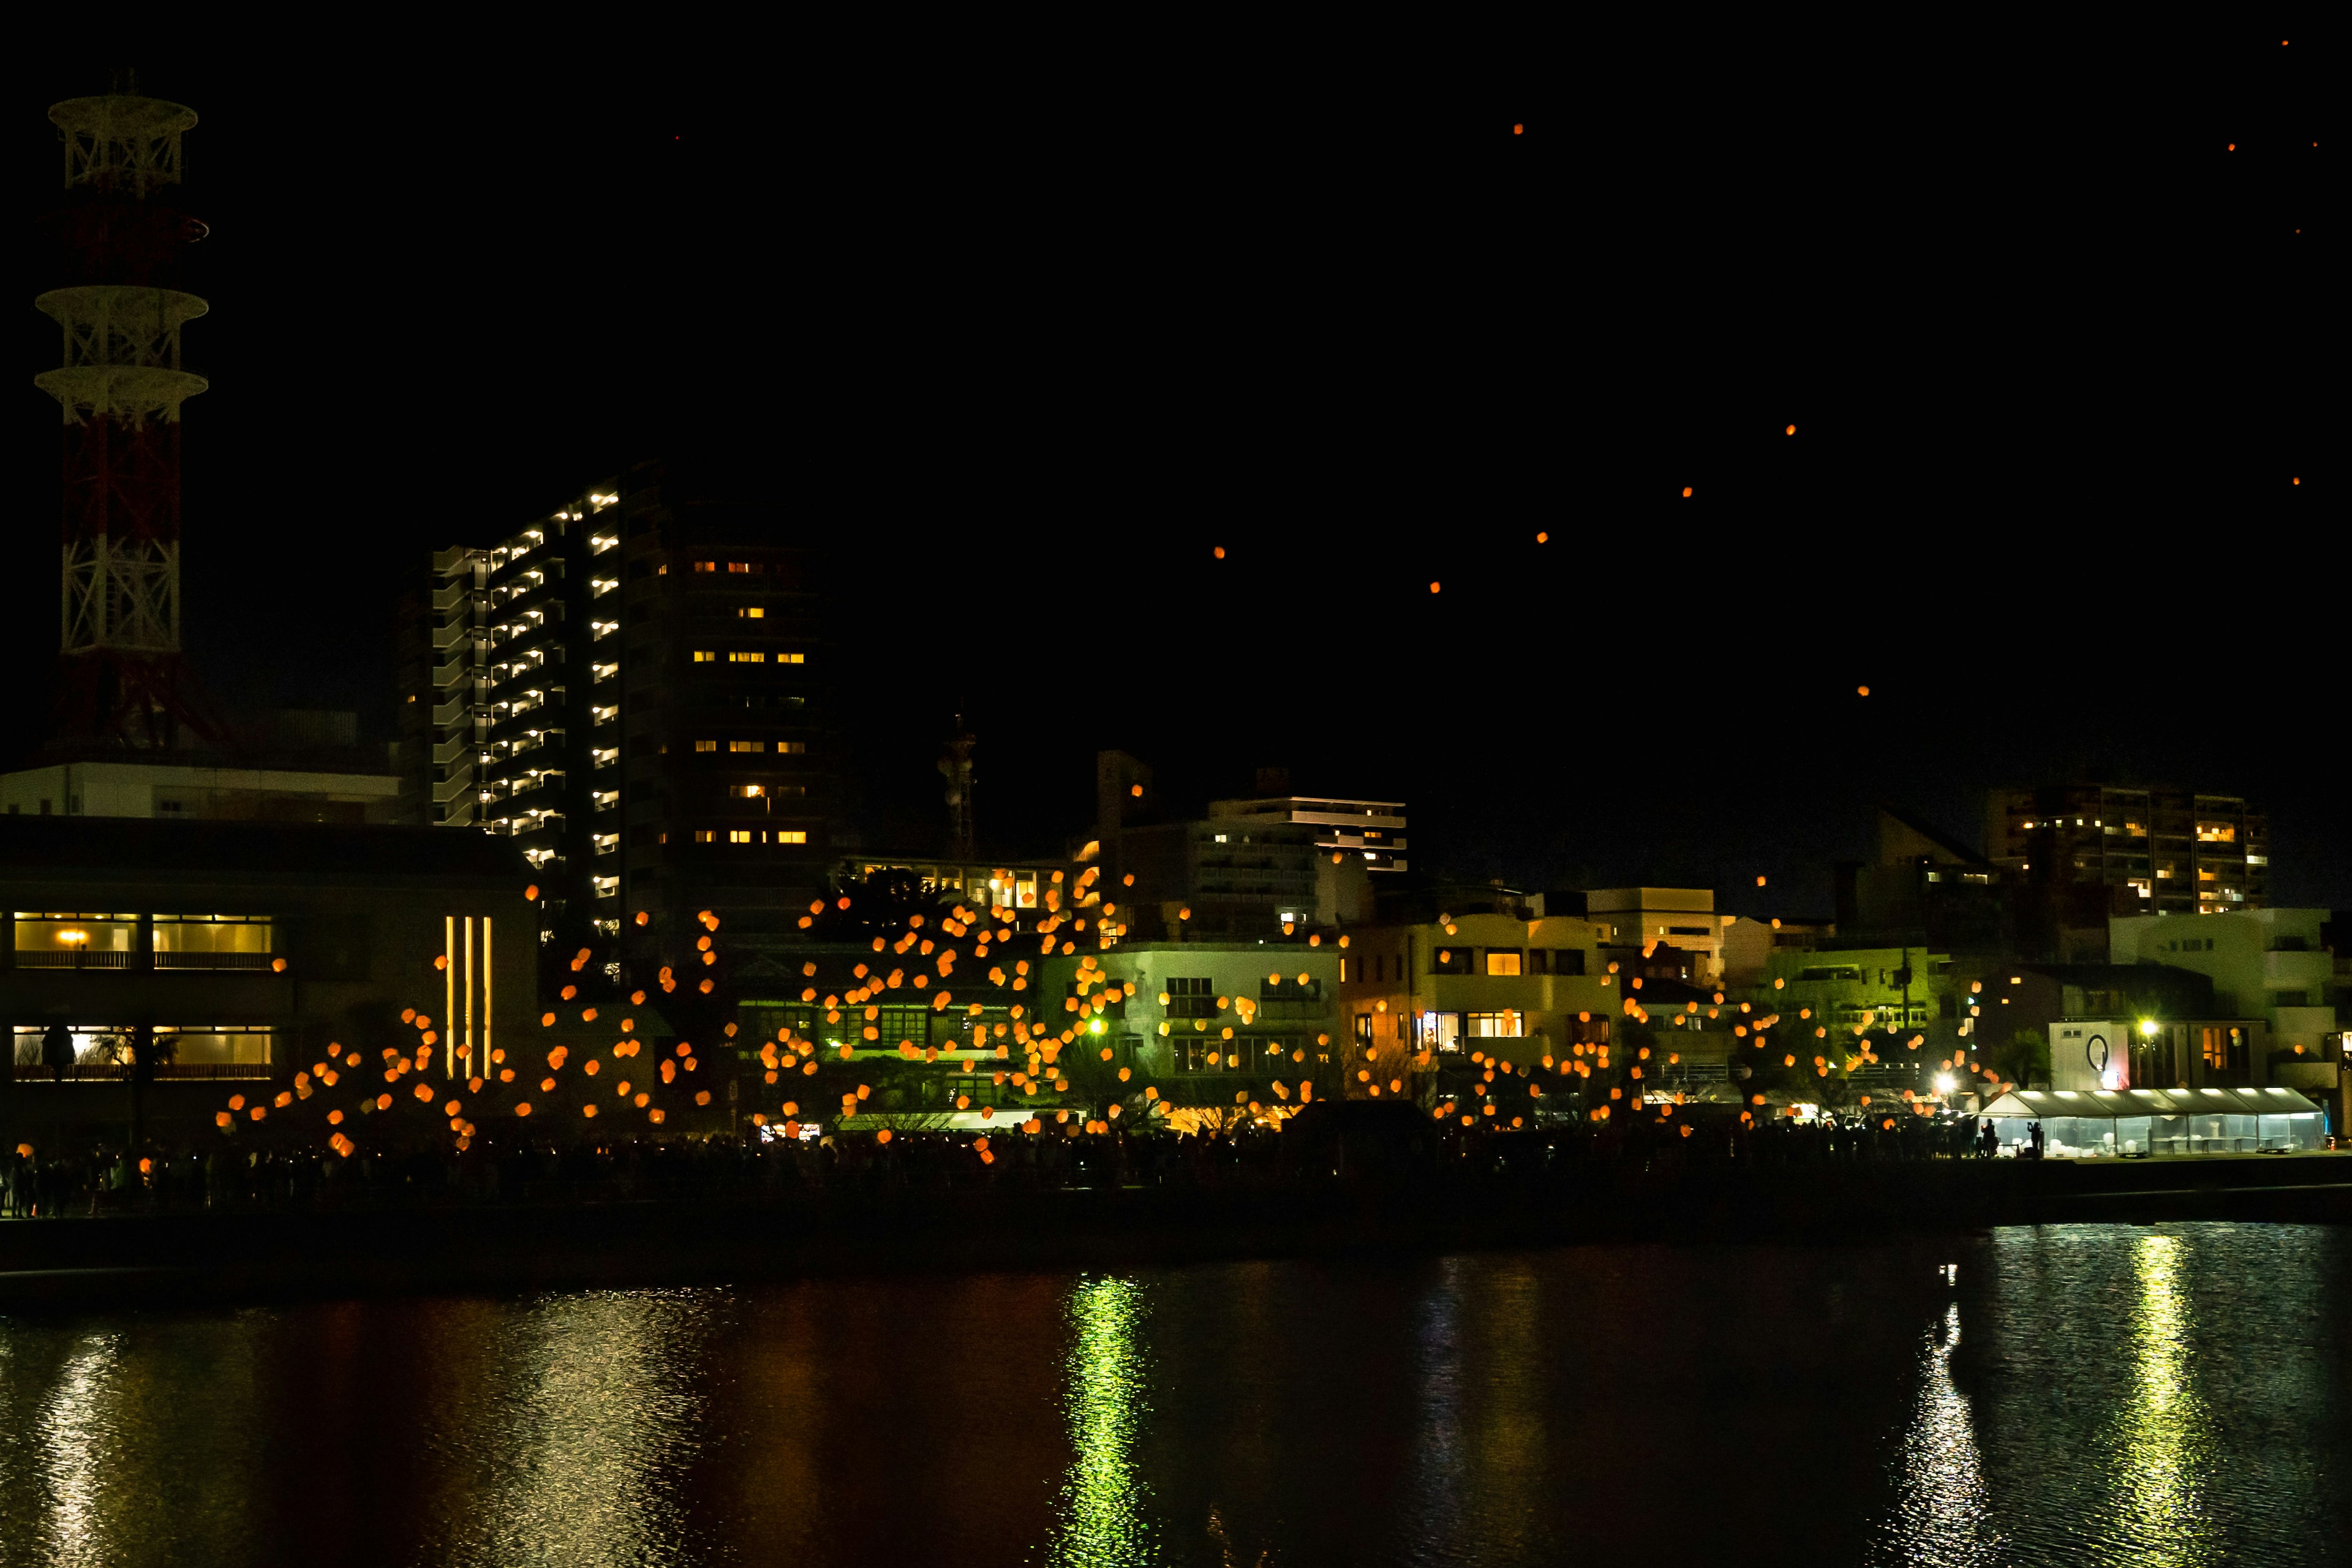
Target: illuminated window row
746, 656
750, 835
788, 748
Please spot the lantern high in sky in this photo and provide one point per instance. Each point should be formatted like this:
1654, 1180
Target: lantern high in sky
1448, 339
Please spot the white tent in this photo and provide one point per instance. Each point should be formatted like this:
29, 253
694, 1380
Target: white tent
2091, 1122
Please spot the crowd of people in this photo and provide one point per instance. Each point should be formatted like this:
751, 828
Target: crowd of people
223, 1173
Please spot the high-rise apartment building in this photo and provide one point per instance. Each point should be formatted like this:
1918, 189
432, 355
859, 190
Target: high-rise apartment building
2100, 851
628, 688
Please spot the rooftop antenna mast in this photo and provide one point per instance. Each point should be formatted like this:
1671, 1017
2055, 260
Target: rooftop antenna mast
956, 767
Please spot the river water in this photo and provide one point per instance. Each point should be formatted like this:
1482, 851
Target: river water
2079, 1394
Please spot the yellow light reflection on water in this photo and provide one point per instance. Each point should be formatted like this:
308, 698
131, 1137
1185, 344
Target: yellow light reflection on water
2164, 1434
1107, 1399
581, 1456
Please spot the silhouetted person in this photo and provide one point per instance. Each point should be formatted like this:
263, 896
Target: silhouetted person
2036, 1132
57, 1052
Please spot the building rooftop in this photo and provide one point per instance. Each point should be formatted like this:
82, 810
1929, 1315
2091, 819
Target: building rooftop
128, 847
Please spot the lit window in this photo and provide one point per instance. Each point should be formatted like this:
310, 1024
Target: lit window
747, 792
1502, 962
791, 835
703, 836
740, 657
739, 836
752, 612
706, 745
792, 658
795, 747
741, 566
704, 656
747, 745
706, 566
1495, 1026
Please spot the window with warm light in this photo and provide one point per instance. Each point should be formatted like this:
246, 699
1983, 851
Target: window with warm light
706, 566
743, 655
706, 745
741, 566
747, 792
747, 745
752, 612
704, 835
1502, 961
75, 941
706, 656
739, 836
213, 942
1505, 1025
791, 835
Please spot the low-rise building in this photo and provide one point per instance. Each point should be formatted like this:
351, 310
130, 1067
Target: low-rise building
1518, 989
248, 947
2270, 964
1248, 868
1750, 943
1683, 919
1213, 1025
199, 792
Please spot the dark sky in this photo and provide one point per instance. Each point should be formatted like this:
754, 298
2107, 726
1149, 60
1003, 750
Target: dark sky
1020, 352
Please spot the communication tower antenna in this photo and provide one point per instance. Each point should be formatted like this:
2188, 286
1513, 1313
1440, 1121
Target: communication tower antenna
120, 239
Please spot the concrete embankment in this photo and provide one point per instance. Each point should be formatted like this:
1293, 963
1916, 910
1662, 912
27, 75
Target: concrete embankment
259, 1255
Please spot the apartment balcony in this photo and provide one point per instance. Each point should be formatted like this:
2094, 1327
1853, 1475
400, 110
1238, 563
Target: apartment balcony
458, 785
450, 713
451, 749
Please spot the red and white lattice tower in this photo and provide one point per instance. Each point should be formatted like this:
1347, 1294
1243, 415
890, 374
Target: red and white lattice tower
121, 239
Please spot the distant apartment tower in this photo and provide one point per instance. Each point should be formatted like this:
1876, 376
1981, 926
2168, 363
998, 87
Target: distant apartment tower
624, 688
2097, 851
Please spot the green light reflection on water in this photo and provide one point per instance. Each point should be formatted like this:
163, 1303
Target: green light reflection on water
2162, 1428
1106, 1394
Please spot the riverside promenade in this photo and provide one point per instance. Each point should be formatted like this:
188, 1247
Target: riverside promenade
881, 1222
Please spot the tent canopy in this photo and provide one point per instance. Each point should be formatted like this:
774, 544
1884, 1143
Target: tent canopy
2049, 1102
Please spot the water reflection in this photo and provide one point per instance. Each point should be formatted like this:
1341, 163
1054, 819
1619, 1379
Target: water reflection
1106, 1392
2119, 1395
2161, 1425
1943, 1513
75, 1437
573, 1431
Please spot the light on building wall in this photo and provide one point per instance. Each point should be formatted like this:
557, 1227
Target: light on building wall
2148, 1028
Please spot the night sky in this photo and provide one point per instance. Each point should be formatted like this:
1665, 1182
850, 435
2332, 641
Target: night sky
1021, 353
